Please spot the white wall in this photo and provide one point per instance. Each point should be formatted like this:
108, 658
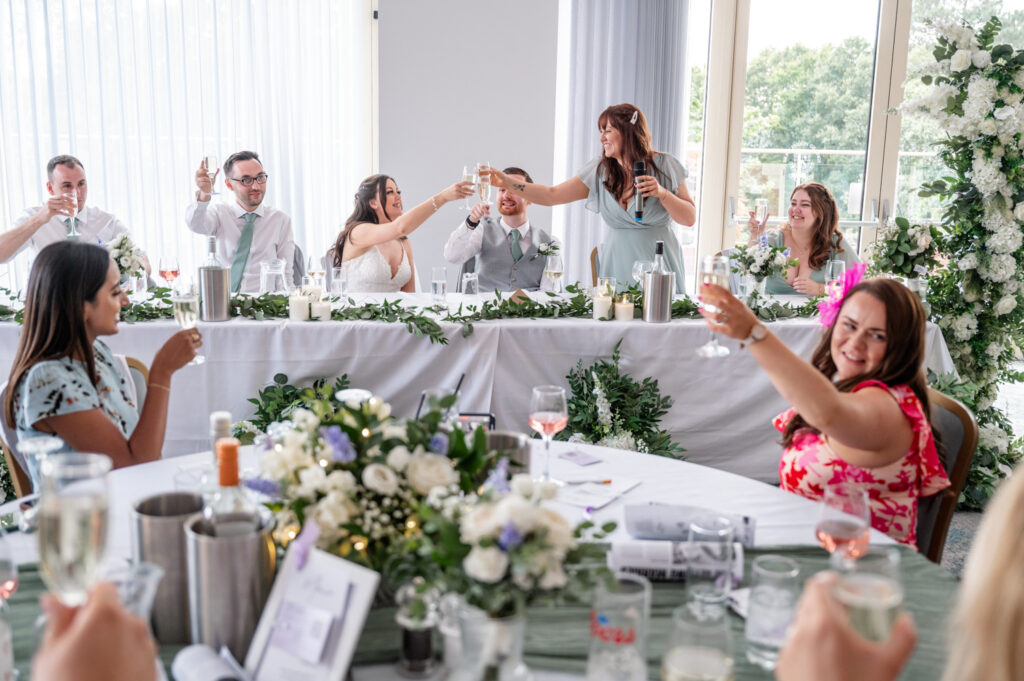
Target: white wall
463, 81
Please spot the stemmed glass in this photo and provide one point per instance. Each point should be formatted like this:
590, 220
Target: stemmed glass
761, 210
844, 524
185, 300
211, 170
483, 182
714, 270
640, 268
834, 270
548, 415
468, 175
72, 213
72, 523
316, 271
169, 268
553, 272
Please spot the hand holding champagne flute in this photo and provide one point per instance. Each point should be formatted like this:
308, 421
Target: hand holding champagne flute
186, 311
469, 175
210, 165
483, 182
549, 415
714, 270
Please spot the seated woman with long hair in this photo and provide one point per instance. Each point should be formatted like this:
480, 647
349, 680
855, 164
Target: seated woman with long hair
860, 408
65, 381
374, 246
812, 236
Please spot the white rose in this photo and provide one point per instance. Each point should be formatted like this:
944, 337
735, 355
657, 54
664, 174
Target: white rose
559, 532
380, 479
311, 480
960, 60
274, 465
305, 420
340, 481
398, 458
1018, 212
522, 484
393, 431
1005, 305
1001, 114
334, 510
514, 509
981, 58
379, 407
481, 521
427, 471
486, 565
987, 127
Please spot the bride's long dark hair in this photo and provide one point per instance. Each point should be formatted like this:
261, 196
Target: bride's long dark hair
373, 187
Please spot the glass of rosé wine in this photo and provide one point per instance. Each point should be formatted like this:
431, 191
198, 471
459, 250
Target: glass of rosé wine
548, 415
845, 523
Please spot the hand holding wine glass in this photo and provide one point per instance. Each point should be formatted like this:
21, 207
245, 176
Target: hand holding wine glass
714, 270
469, 176
185, 300
845, 521
212, 170
549, 415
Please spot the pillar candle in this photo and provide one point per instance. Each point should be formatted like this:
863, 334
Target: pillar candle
602, 306
321, 310
623, 311
298, 308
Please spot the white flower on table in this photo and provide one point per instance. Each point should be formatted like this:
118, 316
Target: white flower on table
522, 484
380, 479
559, 532
481, 521
340, 481
427, 470
517, 510
487, 565
334, 510
398, 458
305, 420
960, 60
311, 481
554, 576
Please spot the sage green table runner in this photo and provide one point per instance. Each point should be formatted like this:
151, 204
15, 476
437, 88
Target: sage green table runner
558, 638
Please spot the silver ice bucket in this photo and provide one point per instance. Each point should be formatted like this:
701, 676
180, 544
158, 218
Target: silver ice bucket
659, 287
214, 294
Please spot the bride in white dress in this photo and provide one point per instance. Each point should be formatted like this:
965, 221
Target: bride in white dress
373, 246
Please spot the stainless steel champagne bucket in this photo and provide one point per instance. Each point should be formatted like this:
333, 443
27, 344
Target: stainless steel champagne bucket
659, 287
158, 537
229, 579
215, 294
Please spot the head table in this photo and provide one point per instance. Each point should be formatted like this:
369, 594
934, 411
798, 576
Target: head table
557, 639
722, 408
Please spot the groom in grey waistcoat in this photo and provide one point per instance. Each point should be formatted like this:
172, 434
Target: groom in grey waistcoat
509, 252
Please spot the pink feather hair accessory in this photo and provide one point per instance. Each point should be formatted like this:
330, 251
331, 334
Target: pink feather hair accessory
829, 309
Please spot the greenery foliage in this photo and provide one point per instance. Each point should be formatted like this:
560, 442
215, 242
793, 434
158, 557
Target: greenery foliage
279, 400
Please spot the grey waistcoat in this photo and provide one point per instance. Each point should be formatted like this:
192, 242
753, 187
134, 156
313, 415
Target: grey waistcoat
494, 265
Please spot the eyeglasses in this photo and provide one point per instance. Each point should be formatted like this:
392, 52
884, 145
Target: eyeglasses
247, 181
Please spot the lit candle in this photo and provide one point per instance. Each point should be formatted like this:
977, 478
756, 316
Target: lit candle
298, 308
602, 306
321, 310
623, 310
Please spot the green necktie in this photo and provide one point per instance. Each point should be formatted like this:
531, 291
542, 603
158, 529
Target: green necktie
68, 223
517, 251
242, 253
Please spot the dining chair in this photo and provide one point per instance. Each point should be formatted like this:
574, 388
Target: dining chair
958, 433
140, 377
19, 478
593, 267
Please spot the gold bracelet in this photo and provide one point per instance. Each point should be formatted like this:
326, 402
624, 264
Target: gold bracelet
157, 385
433, 201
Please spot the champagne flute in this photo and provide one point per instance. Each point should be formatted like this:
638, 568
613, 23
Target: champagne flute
483, 182
186, 311
834, 270
761, 211
714, 270
169, 268
72, 199
469, 175
640, 268
211, 170
72, 523
872, 591
548, 415
553, 272
845, 520
316, 270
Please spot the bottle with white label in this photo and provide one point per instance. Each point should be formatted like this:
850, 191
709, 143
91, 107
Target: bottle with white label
230, 512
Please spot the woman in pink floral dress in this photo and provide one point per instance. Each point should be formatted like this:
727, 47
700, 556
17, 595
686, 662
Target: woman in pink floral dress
860, 408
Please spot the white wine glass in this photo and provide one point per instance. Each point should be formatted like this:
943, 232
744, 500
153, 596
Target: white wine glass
316, 270
483, 182
844, 523
553, 272
469, 175
872, 591
185, 301
210, 162
169, 268
549, 415
714, 270
761, 211
640, 268
73, 505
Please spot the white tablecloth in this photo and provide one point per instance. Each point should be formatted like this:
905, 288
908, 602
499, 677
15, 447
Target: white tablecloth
721, 414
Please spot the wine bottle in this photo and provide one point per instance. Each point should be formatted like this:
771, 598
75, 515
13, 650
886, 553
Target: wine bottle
230, 512
211, 253
220, 428
659, 257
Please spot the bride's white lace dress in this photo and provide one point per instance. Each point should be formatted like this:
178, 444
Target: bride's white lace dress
371, 273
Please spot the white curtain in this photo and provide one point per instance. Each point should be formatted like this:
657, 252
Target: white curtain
141, 90
620, 51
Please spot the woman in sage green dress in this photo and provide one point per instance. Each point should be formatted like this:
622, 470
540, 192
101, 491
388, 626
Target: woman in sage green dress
812, 236
608, 185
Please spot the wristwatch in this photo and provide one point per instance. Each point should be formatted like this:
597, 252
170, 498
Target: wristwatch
758, 332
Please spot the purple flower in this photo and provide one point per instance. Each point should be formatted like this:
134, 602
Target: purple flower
498, 479
305, 541
339, 441
263, 486
763, 241
439, 444
509, 537
786, 253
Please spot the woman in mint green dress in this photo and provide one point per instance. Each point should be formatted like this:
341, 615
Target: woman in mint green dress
64, 380
812, 236
608, 185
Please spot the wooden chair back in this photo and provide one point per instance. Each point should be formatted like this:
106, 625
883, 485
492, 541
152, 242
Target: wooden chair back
593, 267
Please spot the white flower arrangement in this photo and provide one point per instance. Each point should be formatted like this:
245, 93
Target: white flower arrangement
127, 256
904, 249
762, 260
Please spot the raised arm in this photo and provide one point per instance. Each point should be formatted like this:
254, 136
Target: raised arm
571, 190
867, 428
368, 234
13, 239
196, 215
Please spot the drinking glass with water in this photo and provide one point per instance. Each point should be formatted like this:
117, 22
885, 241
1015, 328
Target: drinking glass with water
470, 284
618, 629
439, 285
773, 595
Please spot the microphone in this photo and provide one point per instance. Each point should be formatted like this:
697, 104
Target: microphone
639, 168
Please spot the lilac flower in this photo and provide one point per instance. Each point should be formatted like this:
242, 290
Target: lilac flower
510, 537
339, 441
498, 479
786, 253
305, 541
763, 241
439, 444
263, 486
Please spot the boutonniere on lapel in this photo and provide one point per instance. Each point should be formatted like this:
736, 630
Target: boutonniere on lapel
545, 249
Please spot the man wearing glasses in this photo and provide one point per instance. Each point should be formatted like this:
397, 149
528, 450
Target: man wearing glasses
248, 232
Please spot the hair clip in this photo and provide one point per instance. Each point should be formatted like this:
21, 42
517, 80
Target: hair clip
636, 114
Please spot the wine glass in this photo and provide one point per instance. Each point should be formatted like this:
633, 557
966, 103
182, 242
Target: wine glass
640, 268
548, 415
483, 182
834, 270
553, 272
185, 301
210, 162
469, 175
872, 591
169, 268
761, 210
714, 270
72, 213
72, 523
845, 520
316, 271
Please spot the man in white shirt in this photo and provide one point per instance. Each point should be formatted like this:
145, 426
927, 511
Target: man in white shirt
41, 226
507, 251
248, 231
